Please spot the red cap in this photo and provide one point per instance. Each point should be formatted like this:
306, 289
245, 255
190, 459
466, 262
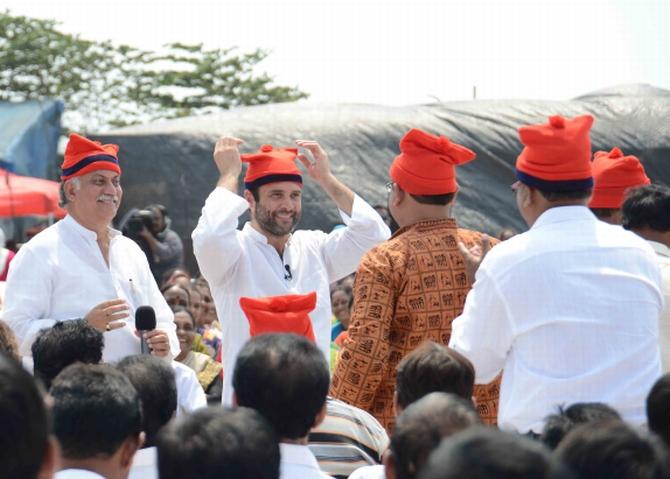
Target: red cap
83, 156
425, 165
614, 173
270, 165
280, 314
557, 156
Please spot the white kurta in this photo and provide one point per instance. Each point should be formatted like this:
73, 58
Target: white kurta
242, 263
60, 274
570, 311
663, 257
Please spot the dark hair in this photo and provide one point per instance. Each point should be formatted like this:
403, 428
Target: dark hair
558, 425
658, 408
647, 207
154, 381
219, 443
433, 368
436, 200
422, 426
612, 450
572, 195
24, 422
285, 377
603, 212
96, 408
169, 286
487, 453
67, 342
255, 193
8, 341
181, 309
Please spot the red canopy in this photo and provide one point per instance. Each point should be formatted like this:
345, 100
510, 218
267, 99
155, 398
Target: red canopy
27, 196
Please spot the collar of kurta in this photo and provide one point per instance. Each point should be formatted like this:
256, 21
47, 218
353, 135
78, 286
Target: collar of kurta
428, 224
659, 248
257, 235
560, 214
84, 232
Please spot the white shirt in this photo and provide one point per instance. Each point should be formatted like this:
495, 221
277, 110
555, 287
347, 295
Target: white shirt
369, 472
77, 474
570, 311
663, 257
190, 395
145, 464
60, 274
298, 462
242, 263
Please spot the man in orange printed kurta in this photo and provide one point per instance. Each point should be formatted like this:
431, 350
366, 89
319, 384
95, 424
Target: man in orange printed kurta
409, 288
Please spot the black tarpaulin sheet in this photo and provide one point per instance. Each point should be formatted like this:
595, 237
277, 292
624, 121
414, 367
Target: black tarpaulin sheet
171, 162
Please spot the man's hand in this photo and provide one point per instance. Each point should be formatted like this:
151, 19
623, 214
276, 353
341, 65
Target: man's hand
474, 256
319, 169
228, 162
105, 315
158, 342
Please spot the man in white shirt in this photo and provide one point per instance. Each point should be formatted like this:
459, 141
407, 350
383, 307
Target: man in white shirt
646, 211
267, 258
285, 378
82, 268
570, 308
97, 418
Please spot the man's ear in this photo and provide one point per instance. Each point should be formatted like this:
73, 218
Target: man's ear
389, 464
321, 415
129, 448
398, 196
70, 190
250, 198
50, 462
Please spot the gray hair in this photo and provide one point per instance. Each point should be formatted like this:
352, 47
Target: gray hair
63, 197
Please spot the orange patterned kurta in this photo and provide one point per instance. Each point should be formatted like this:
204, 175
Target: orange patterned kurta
408, 289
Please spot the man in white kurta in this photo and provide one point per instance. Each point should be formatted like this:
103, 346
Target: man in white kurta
82, 268
569, 310
267, 258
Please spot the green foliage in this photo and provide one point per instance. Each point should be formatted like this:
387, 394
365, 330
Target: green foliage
104, 85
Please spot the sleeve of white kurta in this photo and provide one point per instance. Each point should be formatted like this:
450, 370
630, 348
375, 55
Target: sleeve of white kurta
484, 332
190, 395
27, 298
215, 242
344, 247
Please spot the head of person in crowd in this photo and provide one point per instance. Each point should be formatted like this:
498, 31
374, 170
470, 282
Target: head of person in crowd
554, 168
614, 174
558, 425
341, 300
154, 380
273, 188
176, 295
219, 443
658, 409
159, 218
646, 211
178, 276
421, 427
97, 416
8, 343
27, 450
65, 343
423, 177
433, 368
186, 330
487, 453
207, 309
285, 377
612, 450
196, 302
347, 282
506, 234
91, 182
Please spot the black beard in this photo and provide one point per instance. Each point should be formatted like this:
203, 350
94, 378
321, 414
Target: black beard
266, 221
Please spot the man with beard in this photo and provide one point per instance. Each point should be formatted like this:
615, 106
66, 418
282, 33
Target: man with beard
267, 258
82, 268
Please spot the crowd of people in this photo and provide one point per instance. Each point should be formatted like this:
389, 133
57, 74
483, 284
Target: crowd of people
398, 345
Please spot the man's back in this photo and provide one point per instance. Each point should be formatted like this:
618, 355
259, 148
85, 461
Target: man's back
408, 290
570, 310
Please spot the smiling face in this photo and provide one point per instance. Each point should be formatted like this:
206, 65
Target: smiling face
339, 301
176, 296
278, 208
95, 197
185, 331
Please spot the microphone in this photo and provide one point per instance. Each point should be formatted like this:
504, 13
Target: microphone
145, 320
288, 276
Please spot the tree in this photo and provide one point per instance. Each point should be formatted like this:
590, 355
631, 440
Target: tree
105, 85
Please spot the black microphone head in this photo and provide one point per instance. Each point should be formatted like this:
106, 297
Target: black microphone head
145, 318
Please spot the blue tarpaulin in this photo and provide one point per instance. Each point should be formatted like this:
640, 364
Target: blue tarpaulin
29, 133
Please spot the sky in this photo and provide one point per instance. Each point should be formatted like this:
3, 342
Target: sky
397, 52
